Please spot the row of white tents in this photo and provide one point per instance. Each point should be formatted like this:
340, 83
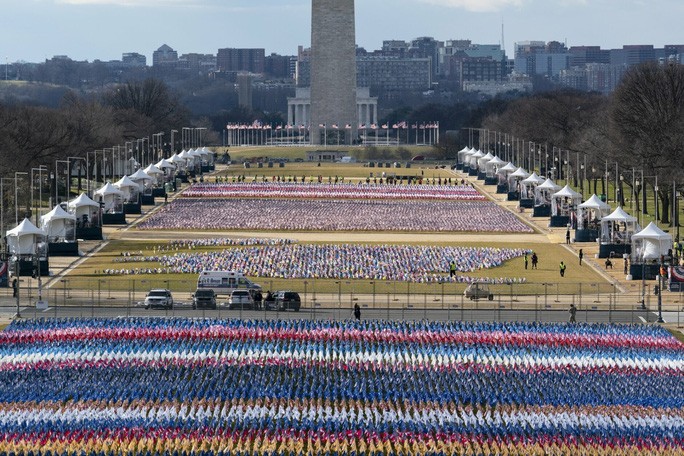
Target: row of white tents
617, 232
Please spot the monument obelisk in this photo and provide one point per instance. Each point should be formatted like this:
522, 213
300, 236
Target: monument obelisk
333, 69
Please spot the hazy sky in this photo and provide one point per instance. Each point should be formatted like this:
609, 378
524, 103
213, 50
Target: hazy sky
33, 30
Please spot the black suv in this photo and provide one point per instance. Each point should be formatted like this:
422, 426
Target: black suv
204, 299
284, 300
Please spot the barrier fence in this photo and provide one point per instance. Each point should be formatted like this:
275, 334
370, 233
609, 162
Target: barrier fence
390, 300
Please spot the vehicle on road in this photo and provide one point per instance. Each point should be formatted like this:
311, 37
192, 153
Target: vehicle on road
478, 290
159, 298
284, 300
204, 299
241, 299
224, 282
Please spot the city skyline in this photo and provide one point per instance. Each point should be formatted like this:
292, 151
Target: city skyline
105, 29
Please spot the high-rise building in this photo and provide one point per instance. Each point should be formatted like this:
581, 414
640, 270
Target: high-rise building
234, 60
333, 69
164, 56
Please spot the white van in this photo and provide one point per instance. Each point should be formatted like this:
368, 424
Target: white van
224, 282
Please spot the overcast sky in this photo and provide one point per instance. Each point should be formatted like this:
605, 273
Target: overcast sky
33, 30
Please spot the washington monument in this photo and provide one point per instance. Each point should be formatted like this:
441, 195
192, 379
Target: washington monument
333, 71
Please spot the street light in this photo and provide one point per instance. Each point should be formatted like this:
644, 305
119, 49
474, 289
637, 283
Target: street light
68, 180
40, 170
16, 197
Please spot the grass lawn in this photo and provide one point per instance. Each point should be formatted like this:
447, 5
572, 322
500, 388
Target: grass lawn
87, 275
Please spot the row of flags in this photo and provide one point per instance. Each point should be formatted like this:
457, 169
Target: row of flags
257, 125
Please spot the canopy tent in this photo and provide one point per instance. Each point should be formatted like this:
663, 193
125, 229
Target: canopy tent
59, 225
188, 157
482, 162
474, 158
180, 163
141, 178
565, 202
515, 177
528, 185
155, 173
618, 227
165, 164
129, 188
492, 166
112, 198
544, 191
462, 154
504, 172
26, 239
85, 210
590, 212
650, 244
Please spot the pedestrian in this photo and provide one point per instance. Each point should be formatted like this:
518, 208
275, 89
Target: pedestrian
625, 266
452, 268
573, 312
581, 255
567, 236
15, 287
166, 197
535, 260
525, 259
357, 311
562, 269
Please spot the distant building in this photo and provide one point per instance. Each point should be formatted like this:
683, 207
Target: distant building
197, 63
164, 56
133, 59
279, 66
540, 58
245, 90
394, 73
232, 60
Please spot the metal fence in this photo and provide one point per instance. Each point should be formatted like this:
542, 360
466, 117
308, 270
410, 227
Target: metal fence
391, 300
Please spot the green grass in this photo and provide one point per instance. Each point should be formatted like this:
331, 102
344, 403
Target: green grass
90, 274
379, 152
677, 334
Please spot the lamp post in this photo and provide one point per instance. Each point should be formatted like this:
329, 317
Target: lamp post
173, 143
40, 170
16, 196
67, 180
80, 161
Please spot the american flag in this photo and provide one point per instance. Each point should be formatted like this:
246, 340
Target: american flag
347, 126
335, 126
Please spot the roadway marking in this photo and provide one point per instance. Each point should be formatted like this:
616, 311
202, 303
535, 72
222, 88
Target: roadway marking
642, 319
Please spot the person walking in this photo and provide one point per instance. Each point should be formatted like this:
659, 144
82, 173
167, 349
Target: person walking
525, 260
535, 260
452, 268
573, 313
567, 236
15, 287
357, 311
581, 255
562, 269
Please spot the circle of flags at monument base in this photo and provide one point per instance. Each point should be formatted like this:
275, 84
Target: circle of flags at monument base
228, 387
419, 264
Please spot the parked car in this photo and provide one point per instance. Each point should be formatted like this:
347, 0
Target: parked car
476, 291
241, 299
284, 300
159, 298
204, 299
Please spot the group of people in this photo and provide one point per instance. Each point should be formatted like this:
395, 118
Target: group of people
276, 387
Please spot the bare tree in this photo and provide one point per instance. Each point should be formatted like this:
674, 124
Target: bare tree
648, 115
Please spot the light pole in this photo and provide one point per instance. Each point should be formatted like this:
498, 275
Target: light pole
16, 197
173, 144
80, 161
67, 180
40, 170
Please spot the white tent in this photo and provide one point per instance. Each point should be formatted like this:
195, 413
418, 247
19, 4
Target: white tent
141, 178
591, 212
528, 185
26, 239
59, 225
130, 189
84, 209
504, 172
188, 157
179, 162
543, 192
515, 177
482, 161
493, 165
650, 243
474, 158
112, 198
565, 202
462, 154
618, 227
164, 164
